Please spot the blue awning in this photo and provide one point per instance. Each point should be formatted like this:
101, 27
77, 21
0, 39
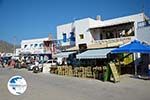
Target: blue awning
133, 47
64, 54
94, 54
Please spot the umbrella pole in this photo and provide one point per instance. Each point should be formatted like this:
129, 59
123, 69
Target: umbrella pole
135, 63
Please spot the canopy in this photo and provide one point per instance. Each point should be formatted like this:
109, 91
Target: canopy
94, 54
64, 54
25, 53
133, 47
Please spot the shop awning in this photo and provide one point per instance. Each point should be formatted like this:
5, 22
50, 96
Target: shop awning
64, 54
134, 46
94, 54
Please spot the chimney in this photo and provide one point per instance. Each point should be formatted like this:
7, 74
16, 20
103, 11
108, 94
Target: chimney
50, 37
98, 17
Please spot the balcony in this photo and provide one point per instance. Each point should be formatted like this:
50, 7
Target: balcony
68, 42
110, 42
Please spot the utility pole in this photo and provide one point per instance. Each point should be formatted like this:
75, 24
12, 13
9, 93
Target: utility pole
142, 7
14, 50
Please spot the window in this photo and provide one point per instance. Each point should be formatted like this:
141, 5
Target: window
64, 37
35, 45
101, 36
49, 62
41, 45
81, 36
72, 37
82, 47
31, 45
54, 61
25, 46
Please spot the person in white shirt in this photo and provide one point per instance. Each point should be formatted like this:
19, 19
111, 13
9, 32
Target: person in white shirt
36, 63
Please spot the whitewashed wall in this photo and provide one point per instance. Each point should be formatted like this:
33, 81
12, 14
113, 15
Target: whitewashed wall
33, 49
82, 26
143, 34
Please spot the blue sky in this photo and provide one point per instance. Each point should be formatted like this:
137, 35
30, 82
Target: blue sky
27, 19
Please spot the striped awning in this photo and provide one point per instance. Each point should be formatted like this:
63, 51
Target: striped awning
94, 54
64, 54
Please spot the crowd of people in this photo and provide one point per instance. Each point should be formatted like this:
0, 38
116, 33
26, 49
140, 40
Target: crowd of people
21, 62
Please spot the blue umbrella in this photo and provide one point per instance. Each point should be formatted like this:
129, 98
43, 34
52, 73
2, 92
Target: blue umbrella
133, 47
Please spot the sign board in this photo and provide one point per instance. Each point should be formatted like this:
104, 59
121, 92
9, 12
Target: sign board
114, 72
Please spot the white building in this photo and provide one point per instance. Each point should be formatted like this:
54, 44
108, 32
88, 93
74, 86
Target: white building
97, 33
18, 51
33, 46
80, 29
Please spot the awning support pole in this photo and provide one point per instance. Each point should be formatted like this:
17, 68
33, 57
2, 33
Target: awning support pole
135, 63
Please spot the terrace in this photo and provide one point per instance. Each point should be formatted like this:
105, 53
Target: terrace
112, 35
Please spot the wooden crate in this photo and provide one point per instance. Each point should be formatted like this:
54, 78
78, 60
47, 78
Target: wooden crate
70, 71
59, 70
96, 72
88, 72
75, 72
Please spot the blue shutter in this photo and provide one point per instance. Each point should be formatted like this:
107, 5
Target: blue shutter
64, 37
72, 37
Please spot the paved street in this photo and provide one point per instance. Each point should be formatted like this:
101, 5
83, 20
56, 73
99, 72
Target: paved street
53, 87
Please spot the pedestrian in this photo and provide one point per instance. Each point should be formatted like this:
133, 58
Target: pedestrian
36, 63
12, 63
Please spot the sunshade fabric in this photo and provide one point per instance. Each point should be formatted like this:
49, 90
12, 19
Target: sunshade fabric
64, 54
94, 54
133, 47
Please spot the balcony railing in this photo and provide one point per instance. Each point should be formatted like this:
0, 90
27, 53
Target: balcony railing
66, 43
143, 23
111, 42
